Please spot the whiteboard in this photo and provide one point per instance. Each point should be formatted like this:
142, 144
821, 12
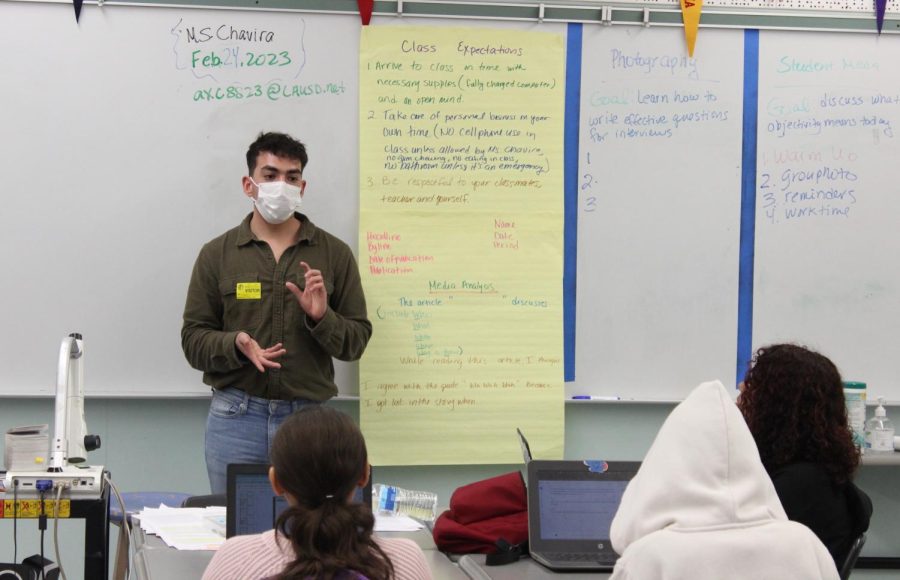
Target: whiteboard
124, 151
115, 175
827, 244
658, 212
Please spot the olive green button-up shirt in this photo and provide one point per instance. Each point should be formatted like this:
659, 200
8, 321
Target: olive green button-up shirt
237, 286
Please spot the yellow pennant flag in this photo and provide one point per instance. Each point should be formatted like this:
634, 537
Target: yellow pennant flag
690, 13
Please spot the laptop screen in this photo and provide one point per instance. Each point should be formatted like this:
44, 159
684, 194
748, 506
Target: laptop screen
526, 448
256, 507
252, 506
578, 510
571, 506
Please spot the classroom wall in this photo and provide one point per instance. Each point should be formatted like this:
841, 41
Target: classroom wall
157, 444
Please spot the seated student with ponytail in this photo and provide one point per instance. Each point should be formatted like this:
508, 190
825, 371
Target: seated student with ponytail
318, 459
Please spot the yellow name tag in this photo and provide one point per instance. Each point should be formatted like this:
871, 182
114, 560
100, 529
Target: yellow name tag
249, 291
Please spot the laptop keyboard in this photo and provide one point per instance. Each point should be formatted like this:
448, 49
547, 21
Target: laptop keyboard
577, 557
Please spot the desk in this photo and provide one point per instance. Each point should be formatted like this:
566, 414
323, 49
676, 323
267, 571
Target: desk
524, 569
153, 560
877, 459
95, 513
880, 562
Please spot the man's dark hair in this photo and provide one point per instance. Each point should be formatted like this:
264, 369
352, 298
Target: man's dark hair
278, 144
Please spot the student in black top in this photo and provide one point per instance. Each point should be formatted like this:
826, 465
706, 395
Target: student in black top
793, 401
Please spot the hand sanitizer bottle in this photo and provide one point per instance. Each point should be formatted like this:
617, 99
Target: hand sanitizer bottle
855, 396
880, 431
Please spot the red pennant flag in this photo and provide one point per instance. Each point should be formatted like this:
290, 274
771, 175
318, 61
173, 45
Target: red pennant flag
880, 5
365, 10
77, 4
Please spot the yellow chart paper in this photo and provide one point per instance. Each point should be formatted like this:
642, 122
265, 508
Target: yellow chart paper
461, 243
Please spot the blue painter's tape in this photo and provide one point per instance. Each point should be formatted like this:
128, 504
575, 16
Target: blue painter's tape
570, 236
748, 203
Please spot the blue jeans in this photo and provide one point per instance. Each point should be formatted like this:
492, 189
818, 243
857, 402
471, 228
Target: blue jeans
240, 429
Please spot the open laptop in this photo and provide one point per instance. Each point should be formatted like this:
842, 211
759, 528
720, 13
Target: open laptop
251, 505
571, 505
526, 448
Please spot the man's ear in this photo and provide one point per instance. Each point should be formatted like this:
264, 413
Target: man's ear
273, 479
249, 188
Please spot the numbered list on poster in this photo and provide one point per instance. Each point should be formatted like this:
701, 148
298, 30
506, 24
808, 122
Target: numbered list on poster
461, 223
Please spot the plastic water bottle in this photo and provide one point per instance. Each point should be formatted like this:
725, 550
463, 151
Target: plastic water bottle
390, 499
880, 431
855, 398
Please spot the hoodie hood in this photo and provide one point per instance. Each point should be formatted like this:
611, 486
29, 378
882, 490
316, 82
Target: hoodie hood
702, 471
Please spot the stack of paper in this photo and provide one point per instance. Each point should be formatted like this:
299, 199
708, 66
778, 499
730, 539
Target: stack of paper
396, 523
27, 448
204, 528
186, 528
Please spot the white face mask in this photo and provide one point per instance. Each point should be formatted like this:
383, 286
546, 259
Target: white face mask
276, 201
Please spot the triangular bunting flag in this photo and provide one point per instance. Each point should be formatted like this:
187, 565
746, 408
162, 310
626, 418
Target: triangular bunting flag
880, 5
690, 13
77, 4
365, 10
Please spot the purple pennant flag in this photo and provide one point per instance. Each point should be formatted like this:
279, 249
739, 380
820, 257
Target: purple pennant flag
880, 5
77, 4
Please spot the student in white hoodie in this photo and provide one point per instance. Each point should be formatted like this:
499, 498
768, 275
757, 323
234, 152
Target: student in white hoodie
702, 507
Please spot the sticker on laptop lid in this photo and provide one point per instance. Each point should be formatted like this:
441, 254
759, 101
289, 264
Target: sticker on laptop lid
596, 465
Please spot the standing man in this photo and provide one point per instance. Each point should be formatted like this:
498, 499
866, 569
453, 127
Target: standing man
269, 304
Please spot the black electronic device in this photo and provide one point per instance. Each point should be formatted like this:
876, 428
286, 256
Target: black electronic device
251, 505
43, 568
16, 572
571, 505
32, 568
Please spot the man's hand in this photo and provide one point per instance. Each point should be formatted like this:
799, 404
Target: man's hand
312, 299
262, 358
